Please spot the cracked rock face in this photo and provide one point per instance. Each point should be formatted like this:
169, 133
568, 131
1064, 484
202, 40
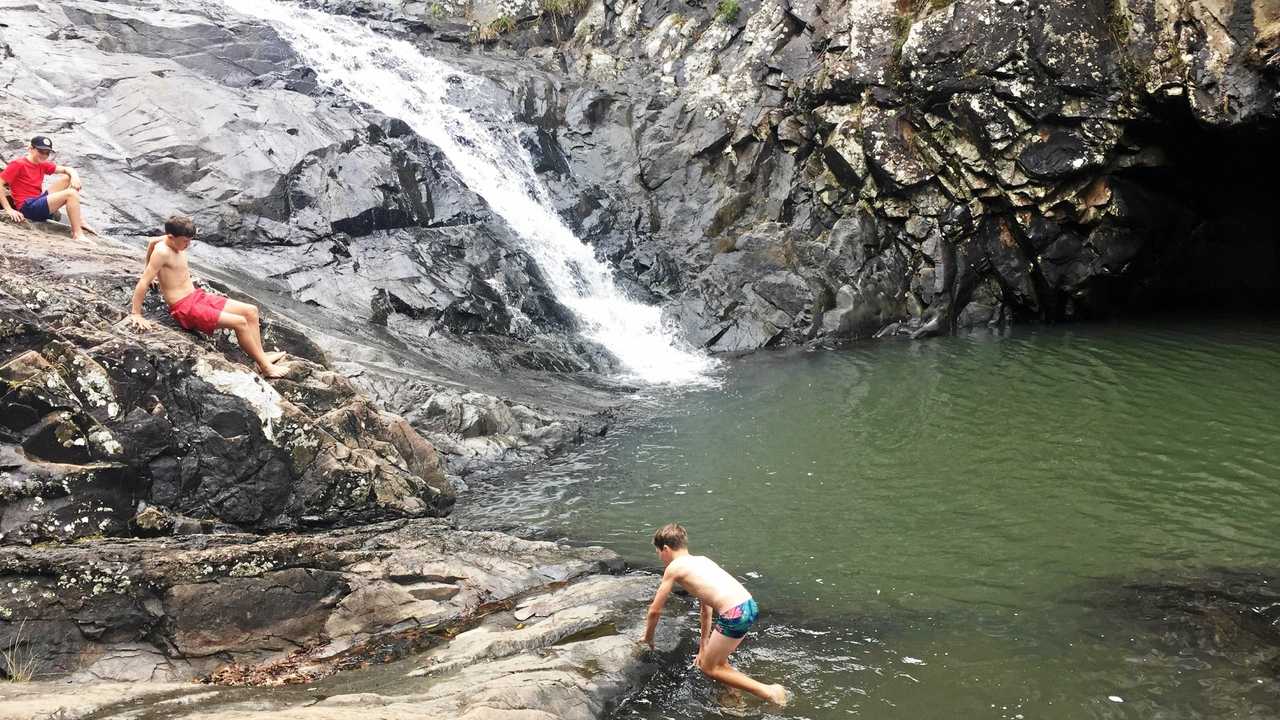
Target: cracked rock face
173, 609
1001, 160
112, 432
294, 187
543, 630
826, 169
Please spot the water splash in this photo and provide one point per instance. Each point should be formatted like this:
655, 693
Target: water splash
395, 78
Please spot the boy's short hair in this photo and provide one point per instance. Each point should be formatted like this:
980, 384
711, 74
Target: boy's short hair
671, 536
180, 226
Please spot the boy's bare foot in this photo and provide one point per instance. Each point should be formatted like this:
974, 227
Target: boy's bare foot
273, 371
733, 703
780, 696
276, 356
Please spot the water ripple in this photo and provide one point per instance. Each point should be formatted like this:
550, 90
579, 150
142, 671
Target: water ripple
947, 502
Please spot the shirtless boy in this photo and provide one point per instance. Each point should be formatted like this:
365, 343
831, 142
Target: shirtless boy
716, 591
24, 179
193, 308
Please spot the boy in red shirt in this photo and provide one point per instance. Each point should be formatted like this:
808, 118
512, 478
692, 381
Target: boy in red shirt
24, 179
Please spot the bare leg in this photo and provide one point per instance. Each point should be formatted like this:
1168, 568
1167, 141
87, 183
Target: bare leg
251, 316
245, 325
71, 199
715, 664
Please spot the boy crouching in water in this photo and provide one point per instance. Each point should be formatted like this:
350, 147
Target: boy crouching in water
193, 308
717, 591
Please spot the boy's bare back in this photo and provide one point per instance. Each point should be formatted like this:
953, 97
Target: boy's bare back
707, 581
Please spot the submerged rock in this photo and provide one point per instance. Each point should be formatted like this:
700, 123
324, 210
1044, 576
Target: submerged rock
1228, 614
1221, 624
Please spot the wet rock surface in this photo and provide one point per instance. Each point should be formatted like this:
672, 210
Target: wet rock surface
360, 230
507, 625
830, 170
108, 431
795, 173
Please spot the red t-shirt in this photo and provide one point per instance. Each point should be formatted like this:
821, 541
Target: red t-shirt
26, 179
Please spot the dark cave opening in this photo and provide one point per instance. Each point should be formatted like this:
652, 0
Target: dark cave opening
1207, 210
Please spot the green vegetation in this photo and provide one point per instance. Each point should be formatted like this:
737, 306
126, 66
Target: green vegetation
503, 24
436, 10
916, 8
564, 8
20, 661
490, 31
1120, 28
727, 11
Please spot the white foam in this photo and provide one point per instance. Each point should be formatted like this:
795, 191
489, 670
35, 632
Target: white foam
395, 78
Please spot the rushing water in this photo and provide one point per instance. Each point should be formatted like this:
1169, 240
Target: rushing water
944, 529
456, 112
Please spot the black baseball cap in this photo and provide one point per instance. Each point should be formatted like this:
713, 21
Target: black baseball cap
41, 142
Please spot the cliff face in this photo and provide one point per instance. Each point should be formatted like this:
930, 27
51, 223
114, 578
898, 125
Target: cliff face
772, 172
809, 169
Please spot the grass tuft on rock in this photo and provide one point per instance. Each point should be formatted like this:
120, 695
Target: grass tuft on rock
564, 8
19, 658
727, 11
491, 30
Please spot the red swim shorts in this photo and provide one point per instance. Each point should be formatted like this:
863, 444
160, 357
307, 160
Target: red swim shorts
199, 311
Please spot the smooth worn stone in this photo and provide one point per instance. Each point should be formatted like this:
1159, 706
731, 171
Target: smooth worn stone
546, 633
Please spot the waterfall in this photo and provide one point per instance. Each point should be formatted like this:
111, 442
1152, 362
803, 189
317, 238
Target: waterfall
393, 77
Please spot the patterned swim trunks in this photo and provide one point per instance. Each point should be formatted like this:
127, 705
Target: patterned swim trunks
736, 621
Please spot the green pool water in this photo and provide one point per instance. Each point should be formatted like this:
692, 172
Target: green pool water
952, 528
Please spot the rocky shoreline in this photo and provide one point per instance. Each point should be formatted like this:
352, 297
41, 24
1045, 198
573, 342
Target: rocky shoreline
782, 173
441, 622
109, 434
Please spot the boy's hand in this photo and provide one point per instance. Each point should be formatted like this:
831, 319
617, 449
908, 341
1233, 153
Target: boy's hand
136, 322
15, 216
648, 641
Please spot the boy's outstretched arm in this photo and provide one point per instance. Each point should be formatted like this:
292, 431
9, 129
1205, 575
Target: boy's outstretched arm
9, 210
135, 318
655, 609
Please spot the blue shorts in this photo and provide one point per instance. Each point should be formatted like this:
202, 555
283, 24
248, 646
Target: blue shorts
736, 621
36, 208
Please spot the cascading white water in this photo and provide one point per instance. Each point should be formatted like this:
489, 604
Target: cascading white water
395, 78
